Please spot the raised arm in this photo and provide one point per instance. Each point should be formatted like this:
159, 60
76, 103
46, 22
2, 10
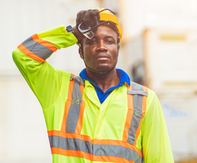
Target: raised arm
30, 58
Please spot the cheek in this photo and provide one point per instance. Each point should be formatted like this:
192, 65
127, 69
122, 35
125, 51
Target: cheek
87, 55
115, 53
88, 51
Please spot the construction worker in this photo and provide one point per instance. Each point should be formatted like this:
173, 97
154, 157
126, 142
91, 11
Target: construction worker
98, 116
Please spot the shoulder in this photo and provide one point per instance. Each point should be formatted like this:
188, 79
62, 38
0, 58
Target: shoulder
152, 101
62, 76
153, 105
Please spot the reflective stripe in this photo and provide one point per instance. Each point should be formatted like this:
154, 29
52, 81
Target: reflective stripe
30, 54
76, 145
67, 105
78, 79
137, 113
137, 93
94, 149
74, 110
94, 141
117, 151
70, 144
37, 48
129, 115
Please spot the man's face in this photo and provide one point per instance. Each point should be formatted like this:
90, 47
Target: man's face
101, 52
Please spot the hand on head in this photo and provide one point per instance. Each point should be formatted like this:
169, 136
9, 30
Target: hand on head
89, 18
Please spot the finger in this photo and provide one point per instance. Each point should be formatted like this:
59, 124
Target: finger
80, 16
90, 17
94, 13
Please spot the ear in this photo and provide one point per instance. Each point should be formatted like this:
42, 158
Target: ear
81, 53
118, 48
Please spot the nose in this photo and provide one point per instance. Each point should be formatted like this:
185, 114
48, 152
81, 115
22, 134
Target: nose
101, 46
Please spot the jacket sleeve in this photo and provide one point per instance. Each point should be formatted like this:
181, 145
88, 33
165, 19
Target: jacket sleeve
30, 58
155, 139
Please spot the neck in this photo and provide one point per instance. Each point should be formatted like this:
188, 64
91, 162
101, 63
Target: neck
104, 81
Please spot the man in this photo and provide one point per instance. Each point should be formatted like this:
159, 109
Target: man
99, 116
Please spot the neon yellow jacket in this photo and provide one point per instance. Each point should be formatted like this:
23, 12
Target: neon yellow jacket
51, 87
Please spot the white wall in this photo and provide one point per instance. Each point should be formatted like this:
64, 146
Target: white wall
138, 15
170, 64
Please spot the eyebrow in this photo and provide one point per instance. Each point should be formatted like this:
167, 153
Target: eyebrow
108, 36
95, 37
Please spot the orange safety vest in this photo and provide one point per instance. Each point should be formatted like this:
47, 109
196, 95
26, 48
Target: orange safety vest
69, 141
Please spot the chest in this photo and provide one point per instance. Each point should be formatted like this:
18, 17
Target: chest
106, 120
119, 117
110, 129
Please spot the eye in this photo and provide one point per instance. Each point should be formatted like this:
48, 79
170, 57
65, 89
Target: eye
109, 41
92, 41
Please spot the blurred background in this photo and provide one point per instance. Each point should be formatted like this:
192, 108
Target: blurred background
159, 50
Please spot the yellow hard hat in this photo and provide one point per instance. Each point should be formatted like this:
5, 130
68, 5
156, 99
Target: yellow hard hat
108, 15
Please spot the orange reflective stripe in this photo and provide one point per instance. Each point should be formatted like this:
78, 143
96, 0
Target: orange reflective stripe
117, 142
69, 135
74, 110
137, 94
69, 142
39, 47
30, 54
44, 43
71, 153
67, 105
129, 115
129, 118
94, 141
82, 108
95, 150
111, 159
88, 156
145, 89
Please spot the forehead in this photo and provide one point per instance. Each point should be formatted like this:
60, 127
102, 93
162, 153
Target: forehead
104, 32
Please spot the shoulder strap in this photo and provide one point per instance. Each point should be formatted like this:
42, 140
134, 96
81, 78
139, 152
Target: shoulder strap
137, 89
136, 99
74, 107
78, 79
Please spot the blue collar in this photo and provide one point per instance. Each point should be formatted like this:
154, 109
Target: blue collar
121, 74
103, 95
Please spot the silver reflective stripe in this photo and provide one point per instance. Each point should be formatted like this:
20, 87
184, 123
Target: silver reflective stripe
116, 151
137, 93
137, 114
37, 48
74, 110
78, 79
70, 144
95, 149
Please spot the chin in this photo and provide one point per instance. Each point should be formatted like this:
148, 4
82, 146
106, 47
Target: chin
105, 69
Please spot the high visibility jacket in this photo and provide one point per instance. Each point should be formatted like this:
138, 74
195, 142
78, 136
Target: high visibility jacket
127, 127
